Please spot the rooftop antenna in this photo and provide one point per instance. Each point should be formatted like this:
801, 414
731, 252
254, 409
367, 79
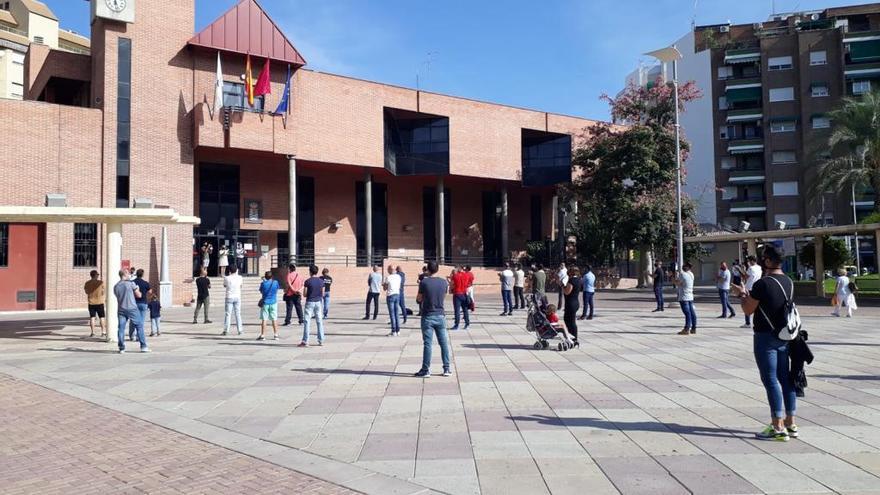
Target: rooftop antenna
772, 8
426, 66
694, 18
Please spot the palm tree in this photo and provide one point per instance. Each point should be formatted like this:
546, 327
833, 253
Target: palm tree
855, 148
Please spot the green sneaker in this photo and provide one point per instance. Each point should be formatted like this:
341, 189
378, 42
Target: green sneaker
792, 431
770, 433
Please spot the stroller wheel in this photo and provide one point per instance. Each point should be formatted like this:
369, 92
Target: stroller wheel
559, 347
537, 345
545, 344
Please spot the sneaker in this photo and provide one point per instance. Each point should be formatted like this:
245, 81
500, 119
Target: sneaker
467, 326
121, 351
258, 338
208, 321
693, 331
145, 349
455, 327
224, 333
320, 344
275, 337
195, 322
391, 334
303, 344
423, 374
447, 372
685, 331
656, 310
152, 334
770, 433
745, 325
792, 431
732, 315
240, 332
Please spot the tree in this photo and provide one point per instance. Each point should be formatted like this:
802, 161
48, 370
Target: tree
835, 254
626, 181
855, 148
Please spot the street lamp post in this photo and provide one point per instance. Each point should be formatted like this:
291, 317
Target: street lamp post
664, 55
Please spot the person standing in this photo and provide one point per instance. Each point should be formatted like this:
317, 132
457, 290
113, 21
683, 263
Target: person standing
841, 294
469, 280
207, 249
239, 257
432, 292
94, 289
232, 283
223, 260
155, 314
142, 301
328, 281
393, 283
269, 288
562, 278
203, 296
589, 283
374, 288
402, 294
659, 281
459, 283
539, 282
293, 295
314, 288
768, 301
736, 273
752, 274
685, 283
506, 277
723, 283
422, 275
571, 291
126, 293
519, 286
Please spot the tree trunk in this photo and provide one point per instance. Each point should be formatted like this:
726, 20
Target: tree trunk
645, 264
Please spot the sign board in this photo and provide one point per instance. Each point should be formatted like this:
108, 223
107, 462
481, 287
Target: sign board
126, 265
253, 211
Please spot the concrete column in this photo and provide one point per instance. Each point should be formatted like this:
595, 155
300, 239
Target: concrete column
368, 213
441, 219
505, 229
166, 295
819, 243
554, 209
291, 207
113, 241
752, 246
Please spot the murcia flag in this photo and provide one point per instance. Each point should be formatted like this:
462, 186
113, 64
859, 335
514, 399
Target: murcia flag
264, 84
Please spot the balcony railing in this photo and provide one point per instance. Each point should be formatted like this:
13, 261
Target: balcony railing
745, 114
12, 30
741, 146
742, 82
740, 176
851, 36
740, 206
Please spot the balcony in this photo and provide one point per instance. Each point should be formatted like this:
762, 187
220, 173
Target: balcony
247, 131
745, 115
756, 176
743, 82
857, 36
748, 206
861, 71
742, 55
745, 146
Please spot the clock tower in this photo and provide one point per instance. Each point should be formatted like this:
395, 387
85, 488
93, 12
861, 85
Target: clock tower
114, 10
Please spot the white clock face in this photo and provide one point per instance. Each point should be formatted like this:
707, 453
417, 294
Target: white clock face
116, 5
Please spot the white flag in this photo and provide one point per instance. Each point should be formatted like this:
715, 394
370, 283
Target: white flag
218, 87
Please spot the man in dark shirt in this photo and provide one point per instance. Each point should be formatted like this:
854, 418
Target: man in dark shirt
328, 281
659, 280
314, 288
203, 299
432, 292
144, 288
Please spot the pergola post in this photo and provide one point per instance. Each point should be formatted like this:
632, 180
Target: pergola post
505, 228
166, 296
819, 244
111, 276
440, 215
291, 209
554, 209
368, 216
752, 246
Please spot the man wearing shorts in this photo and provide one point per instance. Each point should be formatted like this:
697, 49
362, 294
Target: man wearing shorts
269, 288
94, 288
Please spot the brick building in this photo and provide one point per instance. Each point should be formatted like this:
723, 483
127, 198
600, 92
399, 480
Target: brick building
773, 84
135, 124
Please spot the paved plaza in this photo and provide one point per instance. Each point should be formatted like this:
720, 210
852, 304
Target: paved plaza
636, 409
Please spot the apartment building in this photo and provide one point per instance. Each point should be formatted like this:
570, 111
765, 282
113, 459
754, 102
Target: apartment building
23, 22
773, 84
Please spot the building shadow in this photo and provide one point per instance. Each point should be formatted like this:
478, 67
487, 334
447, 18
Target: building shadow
77, 349
656, 427
854, 344
341, 371
499, 346
849, 377
41, 329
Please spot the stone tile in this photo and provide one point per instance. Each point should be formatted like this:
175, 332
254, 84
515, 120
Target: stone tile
444, 446
770, 474
637, 475
389, 446
702, 474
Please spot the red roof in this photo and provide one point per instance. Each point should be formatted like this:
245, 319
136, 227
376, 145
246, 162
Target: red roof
246, 28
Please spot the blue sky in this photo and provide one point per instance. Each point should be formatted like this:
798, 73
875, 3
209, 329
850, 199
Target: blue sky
553, 55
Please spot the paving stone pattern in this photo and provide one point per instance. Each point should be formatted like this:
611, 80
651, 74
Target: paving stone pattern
636, 409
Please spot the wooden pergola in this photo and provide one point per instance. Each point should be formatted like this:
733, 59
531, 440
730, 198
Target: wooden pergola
752, 238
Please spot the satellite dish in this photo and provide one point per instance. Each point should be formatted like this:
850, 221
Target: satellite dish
744, 226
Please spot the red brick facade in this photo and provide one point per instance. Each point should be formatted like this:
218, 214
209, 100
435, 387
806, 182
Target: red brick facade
335, 129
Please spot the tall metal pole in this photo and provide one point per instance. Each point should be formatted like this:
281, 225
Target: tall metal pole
368, 215
291, 209
679, 226
855, 221
440, 227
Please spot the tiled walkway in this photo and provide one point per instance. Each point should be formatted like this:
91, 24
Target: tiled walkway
635, 410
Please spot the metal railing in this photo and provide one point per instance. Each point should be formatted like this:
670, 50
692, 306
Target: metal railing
12, 30
360, 259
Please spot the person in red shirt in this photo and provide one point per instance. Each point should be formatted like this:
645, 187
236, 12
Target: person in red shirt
293, 294
460, 282
554, 321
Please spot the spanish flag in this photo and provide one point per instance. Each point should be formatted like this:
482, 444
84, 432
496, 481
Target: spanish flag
249, 81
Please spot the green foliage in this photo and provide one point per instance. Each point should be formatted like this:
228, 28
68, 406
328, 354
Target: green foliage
835, 254
872, 218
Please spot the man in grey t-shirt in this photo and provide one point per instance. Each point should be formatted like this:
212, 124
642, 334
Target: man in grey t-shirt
432, 292
126, 293
374, 288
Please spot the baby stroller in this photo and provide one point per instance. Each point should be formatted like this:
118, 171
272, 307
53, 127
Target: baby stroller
537, 323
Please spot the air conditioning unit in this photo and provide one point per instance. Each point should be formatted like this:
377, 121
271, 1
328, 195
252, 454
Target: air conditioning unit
744, 226
780, 225
814, 17
758, 25
724, 29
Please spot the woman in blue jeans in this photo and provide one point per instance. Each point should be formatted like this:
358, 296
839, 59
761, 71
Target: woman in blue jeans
767, 302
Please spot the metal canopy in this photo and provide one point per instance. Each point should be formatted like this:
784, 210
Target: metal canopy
779, 234
64, 214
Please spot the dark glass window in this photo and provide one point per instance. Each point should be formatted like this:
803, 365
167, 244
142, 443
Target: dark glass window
416, 143
123, 124
546, 158
219, 197
4, 244
85, 244
537, 231
234, 96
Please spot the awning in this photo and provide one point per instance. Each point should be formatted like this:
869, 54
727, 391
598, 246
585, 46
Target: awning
745, 117
745, 149
743, 94
864, 51
774, 120
742, 59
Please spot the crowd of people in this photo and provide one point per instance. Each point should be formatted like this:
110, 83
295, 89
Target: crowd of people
765, 294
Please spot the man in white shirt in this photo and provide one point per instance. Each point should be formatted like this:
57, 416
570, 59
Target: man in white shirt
723, 284
685, 283
232, 283
562, 276
519, 284
392, 297
506, 277
753, 274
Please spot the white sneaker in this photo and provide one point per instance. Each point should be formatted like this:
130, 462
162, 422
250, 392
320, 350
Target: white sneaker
146, 349
745, 325
121, 351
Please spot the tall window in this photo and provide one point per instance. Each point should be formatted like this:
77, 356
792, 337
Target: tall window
123, 124
861, 87
4, 244
546, 158
416, 143
784, 157
234, 96
782, 94
85, 245
818, 58
779, 63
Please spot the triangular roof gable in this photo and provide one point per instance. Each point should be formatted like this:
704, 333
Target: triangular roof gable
246, 28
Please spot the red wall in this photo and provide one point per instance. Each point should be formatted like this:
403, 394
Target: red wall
24, 271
